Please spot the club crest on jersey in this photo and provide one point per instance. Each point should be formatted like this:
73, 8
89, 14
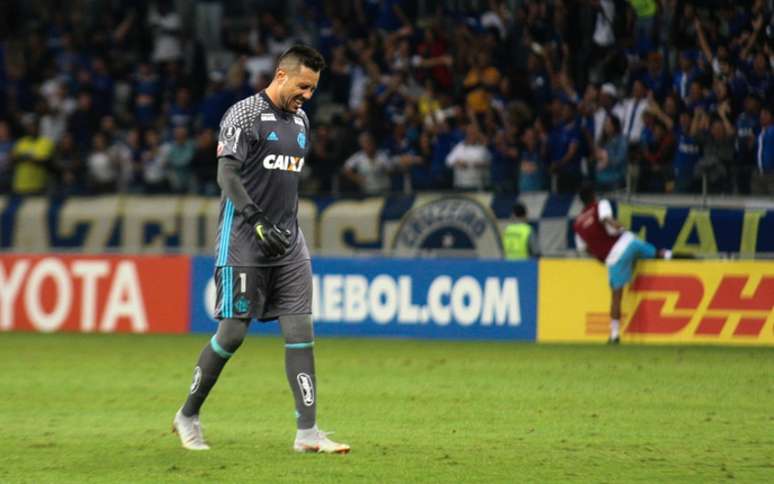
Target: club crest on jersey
301, 140
283, 162
242, 305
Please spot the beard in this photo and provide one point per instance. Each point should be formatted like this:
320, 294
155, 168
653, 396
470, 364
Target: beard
293, 104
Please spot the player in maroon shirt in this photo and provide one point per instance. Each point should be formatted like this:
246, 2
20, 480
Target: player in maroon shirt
602, 236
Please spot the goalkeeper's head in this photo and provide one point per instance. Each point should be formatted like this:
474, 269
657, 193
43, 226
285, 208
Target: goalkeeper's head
296, 76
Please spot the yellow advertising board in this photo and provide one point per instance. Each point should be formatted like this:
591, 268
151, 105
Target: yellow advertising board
705, 302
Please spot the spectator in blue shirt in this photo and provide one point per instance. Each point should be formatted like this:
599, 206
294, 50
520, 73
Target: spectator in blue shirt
532, 174
747, 128
505, 160
687, 153
83, 123
391, 15
696, 98
685, 75
612, 156
656, 77
564, 149
181, 111
759, 78
215, 103
445, 139
6, 146
539, 82
103, 86
421, 165
763, 178
146, 95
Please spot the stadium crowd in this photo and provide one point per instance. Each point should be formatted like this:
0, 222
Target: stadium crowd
512, 96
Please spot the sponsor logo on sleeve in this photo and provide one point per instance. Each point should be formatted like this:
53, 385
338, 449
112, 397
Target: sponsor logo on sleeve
229, 140
232, 132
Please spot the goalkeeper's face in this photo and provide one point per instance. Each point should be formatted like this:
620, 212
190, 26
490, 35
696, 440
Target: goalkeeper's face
296, 87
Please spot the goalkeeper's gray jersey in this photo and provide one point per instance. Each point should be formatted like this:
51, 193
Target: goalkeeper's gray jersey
271, 145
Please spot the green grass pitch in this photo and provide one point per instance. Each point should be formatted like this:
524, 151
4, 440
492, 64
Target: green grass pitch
98, 408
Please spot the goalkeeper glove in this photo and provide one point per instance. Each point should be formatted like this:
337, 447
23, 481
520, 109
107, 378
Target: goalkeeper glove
273, 240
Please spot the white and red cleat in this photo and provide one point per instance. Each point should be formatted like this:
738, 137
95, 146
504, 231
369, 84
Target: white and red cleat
314, 440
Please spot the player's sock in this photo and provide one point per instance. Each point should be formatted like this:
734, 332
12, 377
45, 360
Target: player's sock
299, 367
614, 329
212, 359
302, 434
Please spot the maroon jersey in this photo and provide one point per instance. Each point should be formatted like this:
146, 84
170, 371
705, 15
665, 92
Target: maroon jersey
590, 228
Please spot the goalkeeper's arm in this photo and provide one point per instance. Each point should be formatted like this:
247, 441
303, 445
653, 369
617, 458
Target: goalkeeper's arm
273, 240
230, 183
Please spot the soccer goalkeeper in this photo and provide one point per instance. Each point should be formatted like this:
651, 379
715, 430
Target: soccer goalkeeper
263, 269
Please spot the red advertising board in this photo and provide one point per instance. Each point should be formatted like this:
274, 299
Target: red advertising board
107, 294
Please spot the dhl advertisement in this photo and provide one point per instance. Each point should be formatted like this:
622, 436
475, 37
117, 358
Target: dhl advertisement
704, 302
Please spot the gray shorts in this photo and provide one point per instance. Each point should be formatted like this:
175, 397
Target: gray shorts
263, 293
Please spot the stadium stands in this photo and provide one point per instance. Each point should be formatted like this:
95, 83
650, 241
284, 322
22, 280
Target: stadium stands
645, 96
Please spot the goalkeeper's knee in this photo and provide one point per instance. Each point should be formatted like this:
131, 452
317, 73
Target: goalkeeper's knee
231, 333
297, 328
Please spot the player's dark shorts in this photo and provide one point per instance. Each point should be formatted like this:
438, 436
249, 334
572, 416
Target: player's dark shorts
263, 293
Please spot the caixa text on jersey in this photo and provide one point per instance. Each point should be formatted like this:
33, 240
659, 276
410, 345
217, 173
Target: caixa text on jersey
283, 162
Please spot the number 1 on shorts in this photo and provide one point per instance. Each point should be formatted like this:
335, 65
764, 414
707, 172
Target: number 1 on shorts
242, 282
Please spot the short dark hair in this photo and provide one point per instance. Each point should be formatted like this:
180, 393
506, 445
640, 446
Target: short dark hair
303, 55
519, 210
586, 193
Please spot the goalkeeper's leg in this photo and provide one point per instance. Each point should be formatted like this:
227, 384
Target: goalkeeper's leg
231, 333
212, 359
299, 368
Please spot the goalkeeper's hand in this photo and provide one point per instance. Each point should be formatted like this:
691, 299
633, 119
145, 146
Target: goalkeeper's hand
273, 240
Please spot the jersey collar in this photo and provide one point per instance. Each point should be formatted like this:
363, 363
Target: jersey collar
279, 112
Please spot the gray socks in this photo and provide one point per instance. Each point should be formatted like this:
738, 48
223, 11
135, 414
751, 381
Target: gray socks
299, 366
212, 359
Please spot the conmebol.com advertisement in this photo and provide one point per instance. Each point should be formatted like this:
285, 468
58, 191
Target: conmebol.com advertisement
449, 299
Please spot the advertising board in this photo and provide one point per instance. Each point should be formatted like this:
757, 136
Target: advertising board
107, 294
433, 298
